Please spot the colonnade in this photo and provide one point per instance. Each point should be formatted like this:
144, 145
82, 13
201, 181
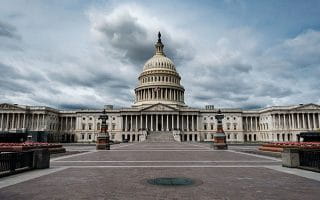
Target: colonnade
33, 122
167, 94
160, 122
67, 123
289, 121
250, 123
16, 121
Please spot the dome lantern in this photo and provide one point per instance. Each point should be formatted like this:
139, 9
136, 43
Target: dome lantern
159, 46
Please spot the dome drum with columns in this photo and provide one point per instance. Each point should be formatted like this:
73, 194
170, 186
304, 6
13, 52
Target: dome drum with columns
159, 82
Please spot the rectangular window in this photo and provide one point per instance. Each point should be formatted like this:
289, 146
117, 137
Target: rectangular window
90, 126
83, 126
89, 136
235, 126
113, 126
205, 126
82, 136
211, 126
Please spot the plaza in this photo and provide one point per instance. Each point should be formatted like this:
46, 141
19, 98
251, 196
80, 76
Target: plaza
123, 172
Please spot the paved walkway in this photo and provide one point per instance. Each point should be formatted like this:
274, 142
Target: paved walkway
122, 173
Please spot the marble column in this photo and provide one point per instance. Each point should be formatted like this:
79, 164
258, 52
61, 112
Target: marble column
152, 122
125, 122
32, 121
66, 123
273, 121
13, 120
197, 125
298, 120
192, 116
172, 122
157, 122
146, 122
72, 122
141, 124
278, 121
136, 118
7, 126
303, 121
187, 122
314, 121
182, 122
289, 121
131, 123
246, 123
1, 128
162, 124
18, 123
308, 118
318, 120
178, 122
167, 123
38, 120
284, 122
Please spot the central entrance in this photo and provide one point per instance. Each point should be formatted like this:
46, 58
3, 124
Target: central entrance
159, 126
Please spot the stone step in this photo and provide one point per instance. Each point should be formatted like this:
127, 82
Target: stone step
160, 136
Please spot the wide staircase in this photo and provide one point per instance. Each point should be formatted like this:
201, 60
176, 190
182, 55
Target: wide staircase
160, 136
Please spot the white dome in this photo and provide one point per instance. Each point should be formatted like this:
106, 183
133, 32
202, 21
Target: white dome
159, 82
159, 61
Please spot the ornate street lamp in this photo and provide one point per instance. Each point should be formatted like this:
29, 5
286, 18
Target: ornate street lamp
220, 136
103, 139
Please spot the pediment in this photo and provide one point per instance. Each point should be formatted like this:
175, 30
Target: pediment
308, 107
7, 106
159, 107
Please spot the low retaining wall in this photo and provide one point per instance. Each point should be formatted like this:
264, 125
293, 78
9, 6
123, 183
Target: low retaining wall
15, 162
301, 158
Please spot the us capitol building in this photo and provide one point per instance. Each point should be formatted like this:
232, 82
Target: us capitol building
159, 112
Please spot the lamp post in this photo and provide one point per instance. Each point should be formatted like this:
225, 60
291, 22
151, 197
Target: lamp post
219, 137
103, 140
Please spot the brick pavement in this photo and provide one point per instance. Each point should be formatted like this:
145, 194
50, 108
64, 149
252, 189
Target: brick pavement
122, 173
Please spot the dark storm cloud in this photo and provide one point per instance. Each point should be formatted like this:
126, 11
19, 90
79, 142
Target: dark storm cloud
9, 77
75, 106
92, 79
132, 42
9, 31
273, 89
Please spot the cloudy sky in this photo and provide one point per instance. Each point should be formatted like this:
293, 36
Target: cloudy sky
231, 53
